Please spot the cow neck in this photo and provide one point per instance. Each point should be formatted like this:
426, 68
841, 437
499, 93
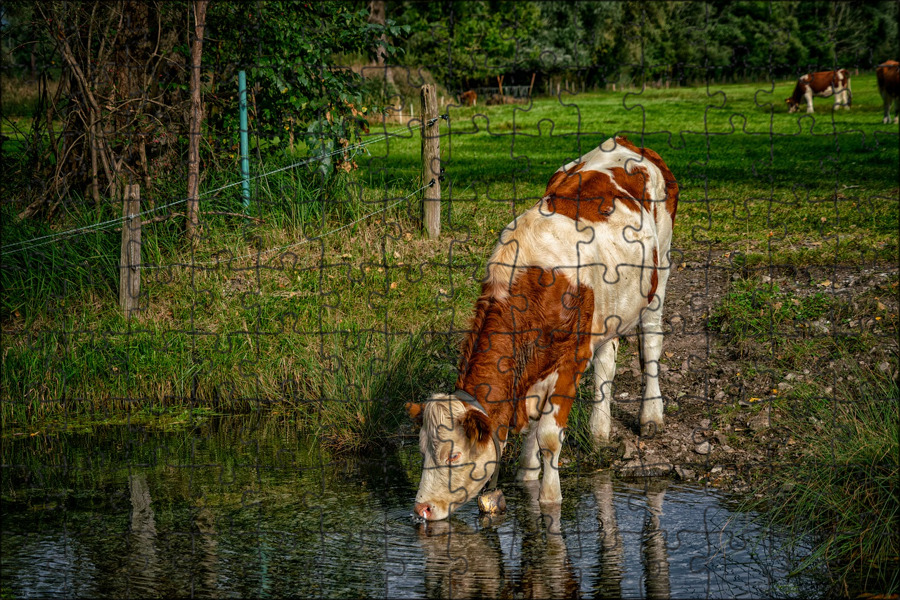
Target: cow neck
479, 372
471, 400
500, 416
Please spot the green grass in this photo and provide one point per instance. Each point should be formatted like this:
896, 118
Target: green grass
843, 489
335, 318
837, 481
791, 331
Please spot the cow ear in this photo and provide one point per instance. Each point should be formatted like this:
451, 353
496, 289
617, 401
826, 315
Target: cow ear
477, 426
414, 409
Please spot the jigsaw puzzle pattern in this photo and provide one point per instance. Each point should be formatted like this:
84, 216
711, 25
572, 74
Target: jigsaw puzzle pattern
779, 277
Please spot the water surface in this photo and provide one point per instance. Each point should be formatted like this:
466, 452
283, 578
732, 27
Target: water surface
243, 506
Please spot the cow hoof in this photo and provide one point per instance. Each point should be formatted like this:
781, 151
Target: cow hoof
492, 502
545, 499
600, 440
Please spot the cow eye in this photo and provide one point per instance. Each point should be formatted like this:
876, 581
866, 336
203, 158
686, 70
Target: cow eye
453, 458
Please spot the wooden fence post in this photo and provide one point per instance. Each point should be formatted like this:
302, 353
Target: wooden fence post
130, 257
431, 162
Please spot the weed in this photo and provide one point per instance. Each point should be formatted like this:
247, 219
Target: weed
844, 486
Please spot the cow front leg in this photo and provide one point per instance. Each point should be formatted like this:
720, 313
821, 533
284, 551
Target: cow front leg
530, 458
550, 435
809, 101
604, 373
651, 340
888, 101
842, 98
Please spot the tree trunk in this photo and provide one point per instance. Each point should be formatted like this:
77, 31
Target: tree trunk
377, 15
193, 186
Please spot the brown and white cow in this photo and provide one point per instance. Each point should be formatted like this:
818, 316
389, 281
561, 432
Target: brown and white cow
823, 84
888, 74
584, 265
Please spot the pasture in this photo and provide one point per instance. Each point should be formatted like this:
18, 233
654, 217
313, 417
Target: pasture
346, 315
332, 308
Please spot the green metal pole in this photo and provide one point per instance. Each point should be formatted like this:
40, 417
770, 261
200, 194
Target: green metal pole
245, 144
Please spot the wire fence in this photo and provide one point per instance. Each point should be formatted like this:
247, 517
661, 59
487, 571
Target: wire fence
249, 427
30, 244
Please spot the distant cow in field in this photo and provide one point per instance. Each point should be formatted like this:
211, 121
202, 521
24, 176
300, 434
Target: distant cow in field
888, 74
468, 98
584, 265
823, 84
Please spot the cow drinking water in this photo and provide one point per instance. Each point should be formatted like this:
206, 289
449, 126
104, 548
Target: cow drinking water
584, 265
823, 84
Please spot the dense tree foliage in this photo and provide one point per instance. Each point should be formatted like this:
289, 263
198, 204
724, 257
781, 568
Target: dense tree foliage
685, 42
112, 90
287, 50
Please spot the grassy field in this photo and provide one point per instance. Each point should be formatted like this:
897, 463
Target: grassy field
268, 312
334, 308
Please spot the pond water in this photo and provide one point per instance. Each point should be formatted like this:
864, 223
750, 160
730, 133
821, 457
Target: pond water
240, 506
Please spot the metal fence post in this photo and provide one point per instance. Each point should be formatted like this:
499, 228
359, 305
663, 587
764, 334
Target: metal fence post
245, 144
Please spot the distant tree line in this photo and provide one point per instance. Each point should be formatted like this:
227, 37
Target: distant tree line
463, 42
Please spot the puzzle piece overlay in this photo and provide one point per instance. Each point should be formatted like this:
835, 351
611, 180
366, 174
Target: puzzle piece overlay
714, 266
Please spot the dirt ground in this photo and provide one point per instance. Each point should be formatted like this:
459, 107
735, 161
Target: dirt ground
722, 421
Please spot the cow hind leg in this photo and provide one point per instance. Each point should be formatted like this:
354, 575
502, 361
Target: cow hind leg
651, 339
888, 101
604, 371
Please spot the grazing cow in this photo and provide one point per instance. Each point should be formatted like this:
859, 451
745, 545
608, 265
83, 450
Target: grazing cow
888, 74
823, 84
584, 265
469, 98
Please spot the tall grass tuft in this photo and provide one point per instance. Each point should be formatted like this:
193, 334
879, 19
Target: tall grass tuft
845, 489
353, 397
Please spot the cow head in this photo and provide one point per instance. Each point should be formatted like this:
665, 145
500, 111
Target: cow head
793, 105
460, 456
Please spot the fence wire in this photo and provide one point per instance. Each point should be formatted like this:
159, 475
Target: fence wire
254, 425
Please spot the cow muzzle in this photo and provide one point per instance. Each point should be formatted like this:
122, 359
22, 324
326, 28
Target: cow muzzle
423, 510
430, 511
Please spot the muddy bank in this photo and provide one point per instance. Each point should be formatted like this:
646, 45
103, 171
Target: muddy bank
735, 402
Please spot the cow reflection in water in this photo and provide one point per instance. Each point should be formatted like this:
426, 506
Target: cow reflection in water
461, 562
547, 571
653, 543
611, 559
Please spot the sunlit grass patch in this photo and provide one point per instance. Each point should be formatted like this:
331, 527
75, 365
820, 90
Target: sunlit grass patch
793, 330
